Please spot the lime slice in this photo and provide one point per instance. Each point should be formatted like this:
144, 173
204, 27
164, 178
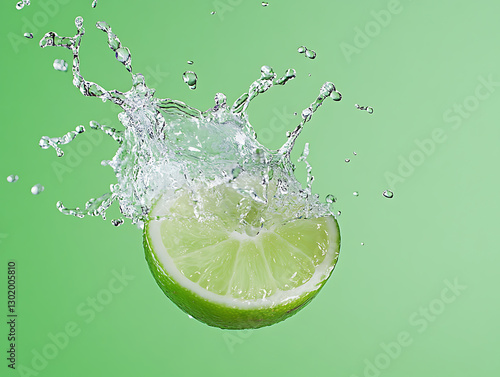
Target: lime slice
230, 262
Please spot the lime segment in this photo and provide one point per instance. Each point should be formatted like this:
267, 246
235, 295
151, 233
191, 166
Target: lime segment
229, 272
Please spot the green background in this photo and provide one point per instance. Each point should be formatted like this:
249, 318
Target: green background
414, 67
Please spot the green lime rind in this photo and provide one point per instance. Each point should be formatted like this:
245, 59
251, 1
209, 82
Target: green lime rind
219, 315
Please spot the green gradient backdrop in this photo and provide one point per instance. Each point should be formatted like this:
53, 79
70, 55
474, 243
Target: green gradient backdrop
440, 228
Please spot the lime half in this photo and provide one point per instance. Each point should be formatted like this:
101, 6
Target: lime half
230, 262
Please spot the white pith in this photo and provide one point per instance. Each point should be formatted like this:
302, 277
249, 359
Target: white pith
280, 297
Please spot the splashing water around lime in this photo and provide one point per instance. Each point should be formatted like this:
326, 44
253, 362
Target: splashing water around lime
230, 235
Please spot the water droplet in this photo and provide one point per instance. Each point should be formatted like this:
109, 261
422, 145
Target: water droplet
212, 12
290, 73
339, 213
12, 178
94, 3
330, 199
307, 114
295, 113
362, 244
311, 54
368, 109
355, 193
265, 3
60, 65
327, 89
388, 194
37, 189
266, 72
190, 79
354, 153
21, 4
117, 222
44, 142
79, 22
190, 62
122, 54
102, 26
28, 35
347, 160
336, 96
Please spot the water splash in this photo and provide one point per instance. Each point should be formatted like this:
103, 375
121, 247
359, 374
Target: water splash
167, 146
21, 4
110, 131
265, 3
328, 90
12, 178
54, 142
368, 109
310, 177
122, 53
28, 35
